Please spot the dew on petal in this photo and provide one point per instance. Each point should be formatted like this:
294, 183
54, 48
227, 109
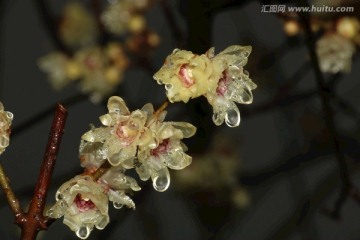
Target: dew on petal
59, 196
118, 205
217, 118
83, 232
9, 115
168, 86
106, 119
246, 96
232, 117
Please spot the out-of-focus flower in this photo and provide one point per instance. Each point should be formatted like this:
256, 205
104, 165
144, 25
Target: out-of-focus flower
123, 133
78, 27
83, 204
122, 16
234, 85
99, 69
5, 123
187, 75
215, 172
348, 27
61, 69
335, 53
167, 152
143, 42
291, 28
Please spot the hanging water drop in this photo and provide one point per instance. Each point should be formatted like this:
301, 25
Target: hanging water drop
161, 181
216, 117
246, 96
118, 205
168, 86
232, 117
83, 232
102, 223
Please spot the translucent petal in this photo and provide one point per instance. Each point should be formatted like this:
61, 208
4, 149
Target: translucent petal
102, 222
246, 96
218, 118
187, 129
106, 120
237, 50
148, 109
143, 172
179, 161
120, 198
232, 116
117, 104
96, 135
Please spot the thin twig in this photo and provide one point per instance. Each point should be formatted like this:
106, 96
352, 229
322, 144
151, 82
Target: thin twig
101, 170
324, 93
9, 194
34, 221
51, 25
161, 108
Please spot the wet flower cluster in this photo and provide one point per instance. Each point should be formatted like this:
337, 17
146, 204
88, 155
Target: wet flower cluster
96, 56
220, 78
5, 124
139, 140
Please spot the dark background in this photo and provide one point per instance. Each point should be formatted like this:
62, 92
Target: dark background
287, 162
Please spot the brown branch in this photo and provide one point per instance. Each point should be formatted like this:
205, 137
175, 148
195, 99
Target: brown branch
33, 221
101, 170
161, 108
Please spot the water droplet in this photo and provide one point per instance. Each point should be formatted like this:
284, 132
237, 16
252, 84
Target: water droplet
232, 117
168, 86
217, 119
161, 181
9, 115
246, 96
118, 205
59, 196
102, 223
83, 232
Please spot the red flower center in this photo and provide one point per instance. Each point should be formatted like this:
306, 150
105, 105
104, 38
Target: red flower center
162, 148
82, 204
185, 76
222, 85
125, 133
